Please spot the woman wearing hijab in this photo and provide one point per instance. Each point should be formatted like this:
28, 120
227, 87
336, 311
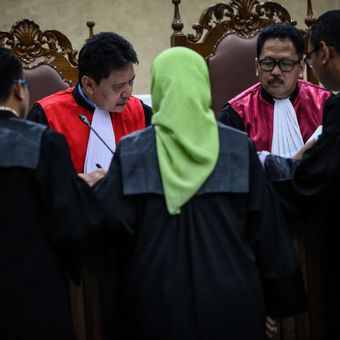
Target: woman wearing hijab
211, 256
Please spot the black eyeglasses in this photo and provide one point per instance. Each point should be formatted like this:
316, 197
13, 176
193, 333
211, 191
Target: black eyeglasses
308, 56
20, 81
285, 65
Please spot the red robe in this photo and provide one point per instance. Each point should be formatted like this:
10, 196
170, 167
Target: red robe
62, 113
257, 113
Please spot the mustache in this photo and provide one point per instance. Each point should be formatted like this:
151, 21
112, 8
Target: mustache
274, 80
123, 101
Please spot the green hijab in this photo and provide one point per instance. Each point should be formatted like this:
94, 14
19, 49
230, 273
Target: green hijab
186, 128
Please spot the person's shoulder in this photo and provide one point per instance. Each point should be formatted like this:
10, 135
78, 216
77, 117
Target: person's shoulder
138, 136
23, 139
56, 97
231, 130
229, 135
335, 98
309, 86
135, 144
333, 102
25, 126
246, 93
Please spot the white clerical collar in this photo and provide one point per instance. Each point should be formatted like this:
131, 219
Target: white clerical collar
7, 108
97, 152
287, 138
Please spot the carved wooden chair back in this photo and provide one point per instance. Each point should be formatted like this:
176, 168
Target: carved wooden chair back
226, 36
48, 58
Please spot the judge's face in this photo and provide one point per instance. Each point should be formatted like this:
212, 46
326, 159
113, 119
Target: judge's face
113, 92
279, 83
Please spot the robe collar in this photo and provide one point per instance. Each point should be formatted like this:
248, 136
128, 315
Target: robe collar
269, 98
79, 98
5, 114
138, 151
22, 138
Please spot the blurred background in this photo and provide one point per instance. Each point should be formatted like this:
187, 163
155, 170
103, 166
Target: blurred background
145, 23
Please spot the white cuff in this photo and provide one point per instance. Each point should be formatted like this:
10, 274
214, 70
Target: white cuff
262, 156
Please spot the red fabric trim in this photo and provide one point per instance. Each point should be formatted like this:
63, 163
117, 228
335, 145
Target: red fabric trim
257, 113
62, 113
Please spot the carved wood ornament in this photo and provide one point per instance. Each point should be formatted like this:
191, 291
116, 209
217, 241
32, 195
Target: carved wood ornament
34, 48
244, 17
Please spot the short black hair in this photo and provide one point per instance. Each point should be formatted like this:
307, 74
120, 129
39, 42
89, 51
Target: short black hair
281, 31
326, 28
102, 53
10, 70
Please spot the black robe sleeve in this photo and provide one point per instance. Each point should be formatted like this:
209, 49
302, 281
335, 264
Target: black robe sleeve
120, 213
268, 232
317, 176
68, 204
229, 116
312, 182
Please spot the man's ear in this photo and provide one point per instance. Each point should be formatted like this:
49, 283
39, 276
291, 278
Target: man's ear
88, 84
301, 69
17, 90
325, 52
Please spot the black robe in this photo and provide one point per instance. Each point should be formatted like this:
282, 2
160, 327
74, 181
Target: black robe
213, 271
310, 189
46, 226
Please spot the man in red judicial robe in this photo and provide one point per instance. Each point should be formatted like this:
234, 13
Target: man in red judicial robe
103, 96
281, 112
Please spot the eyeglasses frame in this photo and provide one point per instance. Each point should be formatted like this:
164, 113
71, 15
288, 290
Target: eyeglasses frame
309, 54
277, 63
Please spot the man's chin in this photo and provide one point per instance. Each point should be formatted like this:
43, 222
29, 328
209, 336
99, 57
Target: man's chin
276, 90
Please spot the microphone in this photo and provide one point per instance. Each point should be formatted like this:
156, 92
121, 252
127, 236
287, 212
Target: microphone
86, 122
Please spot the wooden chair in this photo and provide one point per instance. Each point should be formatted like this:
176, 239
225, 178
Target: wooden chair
226, 35
48, 58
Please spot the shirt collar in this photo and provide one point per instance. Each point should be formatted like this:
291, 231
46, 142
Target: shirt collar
81, 99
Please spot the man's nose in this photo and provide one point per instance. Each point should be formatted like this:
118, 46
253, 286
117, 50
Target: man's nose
126, 93
276, 69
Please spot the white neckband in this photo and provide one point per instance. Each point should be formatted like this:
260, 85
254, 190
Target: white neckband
6, 108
